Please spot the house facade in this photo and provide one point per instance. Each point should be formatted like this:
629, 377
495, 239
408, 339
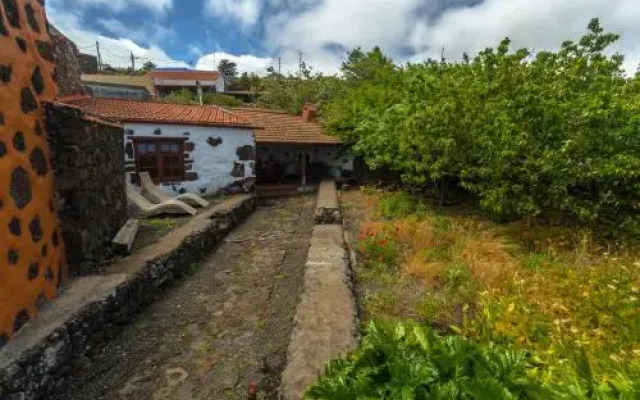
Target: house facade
185, 148
118, 86
155, 84
295, 149
166, 81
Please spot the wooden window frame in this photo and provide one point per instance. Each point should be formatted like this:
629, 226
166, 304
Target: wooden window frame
159, 141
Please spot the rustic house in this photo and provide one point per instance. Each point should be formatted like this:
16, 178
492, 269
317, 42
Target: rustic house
186, 148
295, 148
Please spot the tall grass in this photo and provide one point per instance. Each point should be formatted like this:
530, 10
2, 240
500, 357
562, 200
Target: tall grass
548, 290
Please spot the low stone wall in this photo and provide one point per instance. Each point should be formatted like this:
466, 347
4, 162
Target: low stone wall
328, 208
40, 357
88, 164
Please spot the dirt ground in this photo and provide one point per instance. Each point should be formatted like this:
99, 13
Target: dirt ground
217, 331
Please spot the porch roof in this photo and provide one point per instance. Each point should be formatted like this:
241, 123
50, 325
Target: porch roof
282, 128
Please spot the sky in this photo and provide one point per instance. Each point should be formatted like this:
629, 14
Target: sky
256, 33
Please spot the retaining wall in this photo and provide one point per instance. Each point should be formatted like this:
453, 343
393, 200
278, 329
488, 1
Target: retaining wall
88, 163
93, 308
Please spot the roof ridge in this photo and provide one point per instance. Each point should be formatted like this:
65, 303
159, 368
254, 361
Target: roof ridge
264, 110
154, 102
168, 112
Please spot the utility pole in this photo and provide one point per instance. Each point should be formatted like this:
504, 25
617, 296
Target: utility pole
215, 67
99, 57
300, 63
279, 65
133, 62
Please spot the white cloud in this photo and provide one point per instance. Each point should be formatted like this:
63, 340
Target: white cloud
534, 24
245, 11
115, 51
324, 29
398, 26
245, 62
144, 31
195, 50
346, 22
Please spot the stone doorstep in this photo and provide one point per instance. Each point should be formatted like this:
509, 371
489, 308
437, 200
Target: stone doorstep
91, 308
325, 321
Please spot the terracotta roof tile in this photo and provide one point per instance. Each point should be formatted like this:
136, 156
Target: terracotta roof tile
280, 127
167, 113
186, 75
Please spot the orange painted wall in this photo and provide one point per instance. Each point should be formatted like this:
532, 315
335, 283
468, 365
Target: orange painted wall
31, 250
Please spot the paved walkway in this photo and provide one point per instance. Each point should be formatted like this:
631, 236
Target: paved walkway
216, 331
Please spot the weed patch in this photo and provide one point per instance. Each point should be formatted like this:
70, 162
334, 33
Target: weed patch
569, 301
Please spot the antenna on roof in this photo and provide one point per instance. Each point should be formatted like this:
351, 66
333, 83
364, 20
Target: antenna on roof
99, 57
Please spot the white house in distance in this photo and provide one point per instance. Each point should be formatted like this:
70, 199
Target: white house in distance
168, 80
185, 148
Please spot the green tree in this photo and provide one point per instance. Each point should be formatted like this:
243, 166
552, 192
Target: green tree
228, 68
186, 96
290, 93
556, 133
148, 67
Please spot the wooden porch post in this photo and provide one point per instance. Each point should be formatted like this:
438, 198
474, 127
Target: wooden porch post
304, 171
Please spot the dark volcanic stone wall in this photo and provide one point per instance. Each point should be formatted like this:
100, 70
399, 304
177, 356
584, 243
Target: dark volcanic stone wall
68, 70
88, 163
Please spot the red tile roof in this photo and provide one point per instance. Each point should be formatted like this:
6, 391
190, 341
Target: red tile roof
282, 128
186, 75
166, 113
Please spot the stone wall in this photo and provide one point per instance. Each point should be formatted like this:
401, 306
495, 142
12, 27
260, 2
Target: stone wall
65, 53
30, 368
88, 63
88, 163
31, 251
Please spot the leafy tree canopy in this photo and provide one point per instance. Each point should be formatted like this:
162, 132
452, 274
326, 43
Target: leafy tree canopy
228, 68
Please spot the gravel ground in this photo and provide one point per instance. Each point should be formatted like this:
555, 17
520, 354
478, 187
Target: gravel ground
217, 331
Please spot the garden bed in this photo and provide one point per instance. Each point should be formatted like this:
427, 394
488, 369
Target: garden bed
564, 302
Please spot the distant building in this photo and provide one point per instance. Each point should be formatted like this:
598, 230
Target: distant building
130, 87
88, 63
167, 80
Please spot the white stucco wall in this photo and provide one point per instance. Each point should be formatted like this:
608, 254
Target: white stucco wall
333, 156
218, 83
213, 164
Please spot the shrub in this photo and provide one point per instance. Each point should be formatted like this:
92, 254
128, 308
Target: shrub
377, 247
406, 361
401, 204
551, 133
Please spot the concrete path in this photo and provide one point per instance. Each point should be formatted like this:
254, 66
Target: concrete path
216, 331
326, 326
